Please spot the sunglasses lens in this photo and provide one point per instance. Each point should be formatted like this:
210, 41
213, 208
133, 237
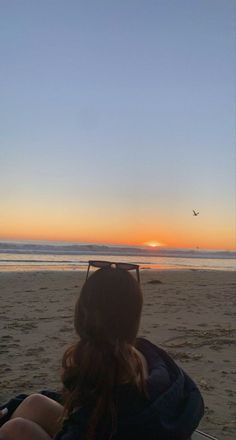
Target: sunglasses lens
126, 266
99, 263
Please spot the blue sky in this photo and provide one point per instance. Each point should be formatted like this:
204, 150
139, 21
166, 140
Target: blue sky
117, 108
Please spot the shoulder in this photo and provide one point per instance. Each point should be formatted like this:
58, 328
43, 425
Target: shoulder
161, 373
158, 359
153, 352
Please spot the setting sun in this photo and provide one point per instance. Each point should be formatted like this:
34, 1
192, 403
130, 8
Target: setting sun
153, 244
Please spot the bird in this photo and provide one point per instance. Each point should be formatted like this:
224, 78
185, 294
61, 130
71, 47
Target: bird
195, 213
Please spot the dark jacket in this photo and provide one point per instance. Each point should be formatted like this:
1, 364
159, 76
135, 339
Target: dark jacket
171, 412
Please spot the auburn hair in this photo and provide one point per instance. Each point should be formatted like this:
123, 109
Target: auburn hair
107, 317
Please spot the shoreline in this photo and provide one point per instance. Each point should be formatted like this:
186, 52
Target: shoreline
56, 269
190, 313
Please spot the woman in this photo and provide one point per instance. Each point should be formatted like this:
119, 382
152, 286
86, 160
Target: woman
116, 386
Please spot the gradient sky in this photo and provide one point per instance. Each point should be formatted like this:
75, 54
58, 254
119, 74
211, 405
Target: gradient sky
117, 118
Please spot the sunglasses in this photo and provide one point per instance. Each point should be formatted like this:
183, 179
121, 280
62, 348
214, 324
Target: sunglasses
124, 266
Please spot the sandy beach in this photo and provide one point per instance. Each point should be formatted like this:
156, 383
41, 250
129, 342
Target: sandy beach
191, 314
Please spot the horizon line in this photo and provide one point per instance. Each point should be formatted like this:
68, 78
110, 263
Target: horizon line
110, 244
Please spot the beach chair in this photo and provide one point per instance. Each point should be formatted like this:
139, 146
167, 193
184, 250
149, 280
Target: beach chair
199, 435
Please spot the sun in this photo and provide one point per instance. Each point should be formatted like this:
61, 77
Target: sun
153, 244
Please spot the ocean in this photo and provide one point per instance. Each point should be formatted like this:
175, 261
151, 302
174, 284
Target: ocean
26, 256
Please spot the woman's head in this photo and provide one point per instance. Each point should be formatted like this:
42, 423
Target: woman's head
109, 307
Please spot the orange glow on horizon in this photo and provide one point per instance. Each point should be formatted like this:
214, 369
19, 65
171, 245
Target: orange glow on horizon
57, 224
124, 239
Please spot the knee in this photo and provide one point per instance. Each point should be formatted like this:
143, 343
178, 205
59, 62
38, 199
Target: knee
34, 399
31, 402
13, 426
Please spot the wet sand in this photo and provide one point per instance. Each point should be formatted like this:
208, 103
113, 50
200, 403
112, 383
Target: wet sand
191, 314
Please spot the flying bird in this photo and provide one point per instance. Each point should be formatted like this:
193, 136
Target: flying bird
195, 213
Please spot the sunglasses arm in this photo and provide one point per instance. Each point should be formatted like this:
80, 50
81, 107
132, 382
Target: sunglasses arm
87, 272
138, 277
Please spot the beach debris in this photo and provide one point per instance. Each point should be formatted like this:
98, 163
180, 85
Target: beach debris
3, 412
154, 282
205, 385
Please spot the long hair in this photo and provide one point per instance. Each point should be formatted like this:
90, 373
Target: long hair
107, 317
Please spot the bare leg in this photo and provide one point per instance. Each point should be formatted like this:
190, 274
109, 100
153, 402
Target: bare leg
41, 410
22, 429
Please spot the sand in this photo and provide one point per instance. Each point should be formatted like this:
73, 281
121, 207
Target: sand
191, 314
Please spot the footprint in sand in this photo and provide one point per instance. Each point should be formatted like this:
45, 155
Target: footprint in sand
65, 329
33, 351
155, 282
6, 337
4, 368
229, 392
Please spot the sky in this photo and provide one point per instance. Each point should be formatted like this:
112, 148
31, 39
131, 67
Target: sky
117, 119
